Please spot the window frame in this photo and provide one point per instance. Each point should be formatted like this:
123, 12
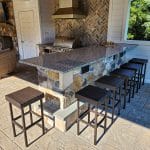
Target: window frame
126, 23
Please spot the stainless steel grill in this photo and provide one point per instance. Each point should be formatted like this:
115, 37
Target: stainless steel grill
61, 44
66, 42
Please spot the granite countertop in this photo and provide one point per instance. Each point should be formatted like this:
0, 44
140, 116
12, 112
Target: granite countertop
66, 61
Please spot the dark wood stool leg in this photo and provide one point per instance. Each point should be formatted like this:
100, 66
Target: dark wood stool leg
31, 117
109, 101
130, 90
119, 105
125, 93
78, 117
24, 127
134, 86
42, 115
144, 73
88, 113
105, 121
113, 105
141, 76
138, 83
95, 126
12, 119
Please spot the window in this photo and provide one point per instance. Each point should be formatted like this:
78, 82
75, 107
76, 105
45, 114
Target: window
139, 20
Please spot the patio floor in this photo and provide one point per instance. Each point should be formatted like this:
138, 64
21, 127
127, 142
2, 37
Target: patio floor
131, 131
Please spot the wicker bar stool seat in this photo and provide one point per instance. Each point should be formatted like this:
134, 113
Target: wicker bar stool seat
143, 62
129, 82
94, 97
138, 70
114, 85
21, 99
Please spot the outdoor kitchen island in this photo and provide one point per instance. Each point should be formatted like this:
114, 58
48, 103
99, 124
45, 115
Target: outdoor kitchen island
62, 74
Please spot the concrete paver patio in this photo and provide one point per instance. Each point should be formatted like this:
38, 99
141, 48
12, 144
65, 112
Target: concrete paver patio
131, 131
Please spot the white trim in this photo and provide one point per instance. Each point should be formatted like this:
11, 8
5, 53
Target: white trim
125, 15
143, 43
126, 24
39, 22
126, 19
110, 20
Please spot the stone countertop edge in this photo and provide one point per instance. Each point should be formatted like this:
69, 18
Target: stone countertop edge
120, 47
55, 70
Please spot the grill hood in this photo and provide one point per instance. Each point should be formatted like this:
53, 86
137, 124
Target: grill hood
69, 9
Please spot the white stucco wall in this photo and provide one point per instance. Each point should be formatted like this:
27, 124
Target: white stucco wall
118, 13
141, 52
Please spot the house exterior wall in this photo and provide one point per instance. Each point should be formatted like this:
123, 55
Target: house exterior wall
26, 6
118, 13
43, 24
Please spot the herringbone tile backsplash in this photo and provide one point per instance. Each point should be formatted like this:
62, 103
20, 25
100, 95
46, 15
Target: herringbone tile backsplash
90, 30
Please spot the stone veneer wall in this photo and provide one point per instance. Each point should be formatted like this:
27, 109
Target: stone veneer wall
9, 28
90, 30
98, 69
50, 79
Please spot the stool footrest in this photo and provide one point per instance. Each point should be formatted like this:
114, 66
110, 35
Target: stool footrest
100, 122
36, 114
34, 123
90, 123
21, 127
21, 116
86, 113
99, 113
17, 124
110, 106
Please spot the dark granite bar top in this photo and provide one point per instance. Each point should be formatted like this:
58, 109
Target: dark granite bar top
66, 61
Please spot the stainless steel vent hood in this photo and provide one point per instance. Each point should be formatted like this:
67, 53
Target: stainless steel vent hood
68, 9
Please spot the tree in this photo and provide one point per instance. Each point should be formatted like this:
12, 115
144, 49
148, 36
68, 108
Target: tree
139, 22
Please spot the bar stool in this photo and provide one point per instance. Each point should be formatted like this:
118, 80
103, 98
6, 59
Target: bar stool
137, 68
129, 82
94, 97
143, 62
22, 99
114, 85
